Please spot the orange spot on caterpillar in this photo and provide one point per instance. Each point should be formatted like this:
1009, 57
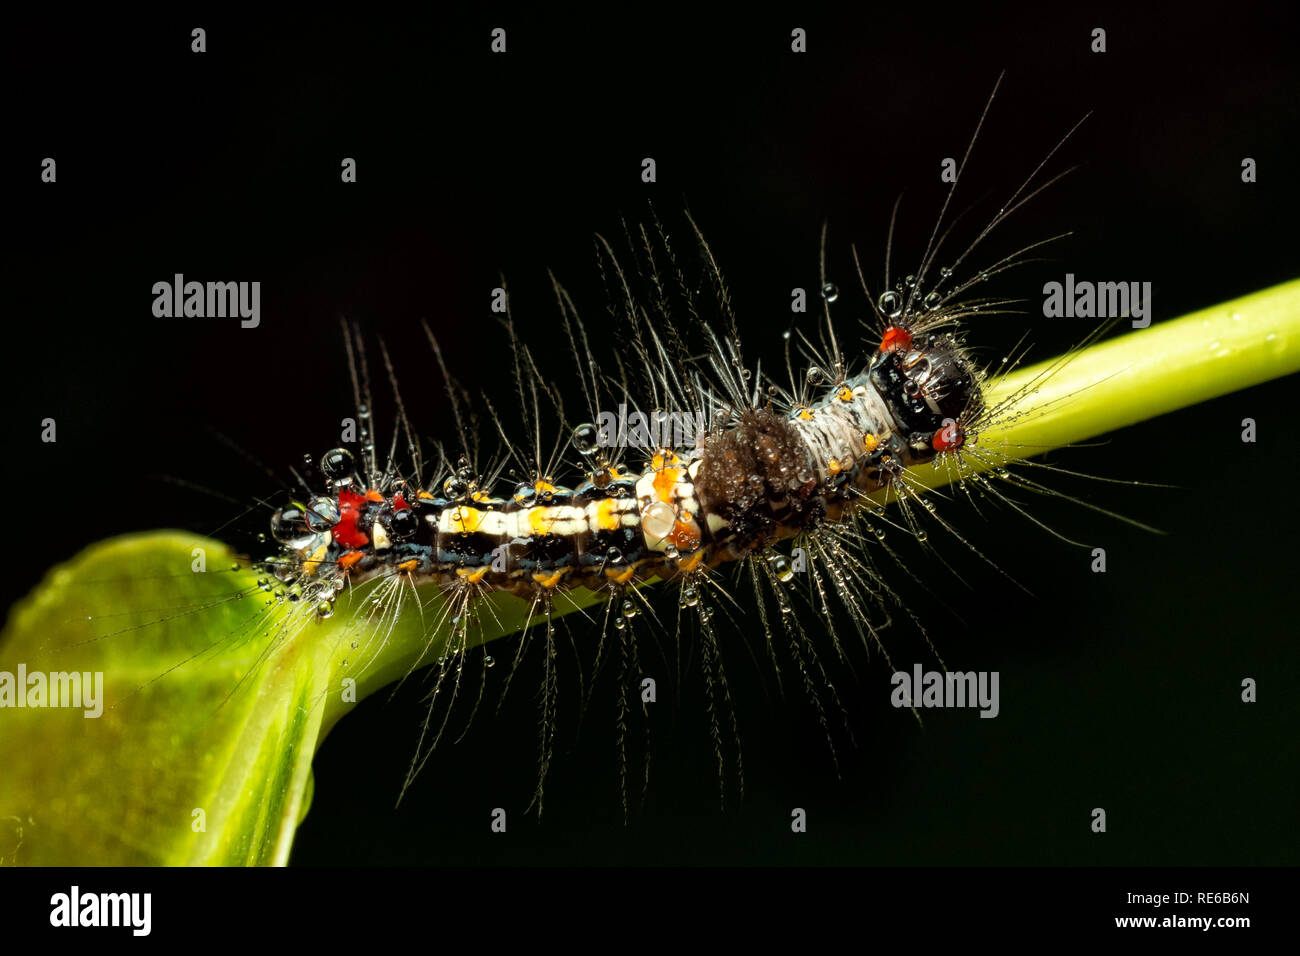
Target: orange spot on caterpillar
896, 337
686, 534
665, 480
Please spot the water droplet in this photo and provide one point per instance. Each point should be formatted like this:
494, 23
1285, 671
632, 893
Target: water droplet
909, 281
337, 463
402, 524
830, 292
782, 568
658, 520
325, 609
628, 609
322, 514
585, 438
690, 595
931, 301
984, 277
891, 304
945, 272
488, 660
816, 376
289, 523
455, 487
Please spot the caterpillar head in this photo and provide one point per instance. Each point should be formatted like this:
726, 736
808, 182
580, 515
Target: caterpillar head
931, 388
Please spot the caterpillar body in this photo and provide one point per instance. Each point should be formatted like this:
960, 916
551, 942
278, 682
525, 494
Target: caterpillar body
763, 478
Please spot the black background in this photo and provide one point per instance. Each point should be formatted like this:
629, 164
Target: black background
1118, 690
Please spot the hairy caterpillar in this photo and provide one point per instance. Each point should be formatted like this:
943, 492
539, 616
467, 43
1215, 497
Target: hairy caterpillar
778, 476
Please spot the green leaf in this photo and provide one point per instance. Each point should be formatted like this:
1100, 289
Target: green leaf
213, 703
218, 704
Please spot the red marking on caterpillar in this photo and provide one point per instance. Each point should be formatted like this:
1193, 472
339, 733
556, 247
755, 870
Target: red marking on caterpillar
345, 532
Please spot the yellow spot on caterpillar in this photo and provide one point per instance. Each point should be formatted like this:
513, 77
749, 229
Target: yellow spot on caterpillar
845, 394
805, 414
311, 565
691, 563
620, 575
469, 519
473, 575
870, 442
425, 495
550, 580
834, 467
662, 460
408, 566
540, 520
606, 518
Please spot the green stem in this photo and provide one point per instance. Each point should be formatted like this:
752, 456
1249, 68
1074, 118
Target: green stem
1139, 376
180, 770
